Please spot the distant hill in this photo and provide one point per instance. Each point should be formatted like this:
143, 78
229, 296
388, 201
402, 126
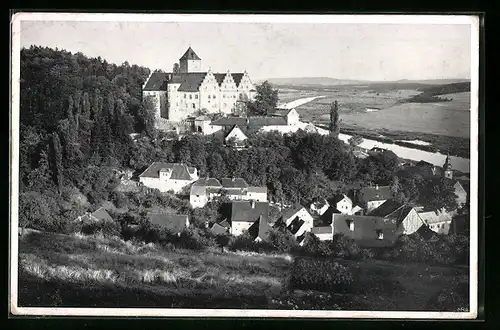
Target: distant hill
327, 81
314, 81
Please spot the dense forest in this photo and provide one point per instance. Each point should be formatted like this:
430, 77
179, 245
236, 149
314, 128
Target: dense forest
77, 114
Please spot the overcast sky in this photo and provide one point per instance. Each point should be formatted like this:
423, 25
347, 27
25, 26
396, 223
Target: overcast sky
278, 50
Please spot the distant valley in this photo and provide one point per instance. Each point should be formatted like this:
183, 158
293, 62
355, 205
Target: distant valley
327, 81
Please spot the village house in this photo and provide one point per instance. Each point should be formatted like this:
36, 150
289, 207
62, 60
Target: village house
202, 124
174, 223
296, 219
236, 138
407, 218
319, 206
178, 95
244, 214
373, 196
205, 189
99, 215
437, 221
367, 231
168, 177
345, 205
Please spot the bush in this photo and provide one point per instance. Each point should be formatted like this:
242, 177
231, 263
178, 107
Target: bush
106, 228
340, 247
320, 274
447, 250
282, 241
119, 199
196, 239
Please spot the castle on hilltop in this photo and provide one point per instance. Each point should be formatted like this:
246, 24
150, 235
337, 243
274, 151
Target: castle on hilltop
182, 94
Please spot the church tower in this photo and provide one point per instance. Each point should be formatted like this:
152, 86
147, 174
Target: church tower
189, 62
447, 170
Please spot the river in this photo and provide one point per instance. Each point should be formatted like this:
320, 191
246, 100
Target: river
458, 163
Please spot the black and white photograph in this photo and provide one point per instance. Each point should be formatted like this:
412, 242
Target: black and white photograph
321, 166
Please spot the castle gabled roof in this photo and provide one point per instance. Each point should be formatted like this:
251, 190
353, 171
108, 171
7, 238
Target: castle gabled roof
237, 78
156, 82
191, 81
189, 55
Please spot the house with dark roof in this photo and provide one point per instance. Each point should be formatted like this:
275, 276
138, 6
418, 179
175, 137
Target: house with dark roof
407, 217
97, 216
175, 223
296, 219
367, 231
291, 116
245, 213
217, 229
192, 89
259, 230
372, 197
168, 177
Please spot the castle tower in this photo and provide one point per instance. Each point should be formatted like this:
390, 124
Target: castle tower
447, 170
189, 62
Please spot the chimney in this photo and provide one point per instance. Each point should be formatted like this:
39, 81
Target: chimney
252, 203
376, 186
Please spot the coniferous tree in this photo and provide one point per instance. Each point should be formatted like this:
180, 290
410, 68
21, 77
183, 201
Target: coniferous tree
57, 161
334, 119
40, 178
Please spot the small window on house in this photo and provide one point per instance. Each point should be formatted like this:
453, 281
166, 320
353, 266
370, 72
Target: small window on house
209, 96
190, 96
196, 96
185, 95
380, 234
197, 195
214, 97
194, 106
225, 105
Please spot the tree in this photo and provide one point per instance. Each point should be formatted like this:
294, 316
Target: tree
334, 119
266, 100
40, 178
439, 194
147, 117
57, 161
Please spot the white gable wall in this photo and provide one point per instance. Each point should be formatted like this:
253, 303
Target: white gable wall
237, 134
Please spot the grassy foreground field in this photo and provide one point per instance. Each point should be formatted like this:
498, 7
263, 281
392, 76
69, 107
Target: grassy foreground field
92, 271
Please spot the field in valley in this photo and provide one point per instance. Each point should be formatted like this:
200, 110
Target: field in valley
92, 271
440, 118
